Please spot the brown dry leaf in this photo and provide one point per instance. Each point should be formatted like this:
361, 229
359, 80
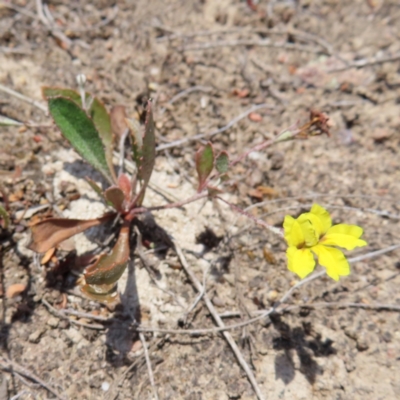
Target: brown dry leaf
241, 93
15, 290
50, 232
255, 117
269, 256
16, 196
255, 193
48, 255
268, 191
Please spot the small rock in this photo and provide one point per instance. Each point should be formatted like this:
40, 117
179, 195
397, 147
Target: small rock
277, 160
218, 302
387, 337
34, 337
53, 322
363, 342
272, 296
73, 335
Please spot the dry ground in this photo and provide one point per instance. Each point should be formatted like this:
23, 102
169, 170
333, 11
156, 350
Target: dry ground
340, 57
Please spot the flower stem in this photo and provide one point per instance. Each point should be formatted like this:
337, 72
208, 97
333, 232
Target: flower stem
273, 229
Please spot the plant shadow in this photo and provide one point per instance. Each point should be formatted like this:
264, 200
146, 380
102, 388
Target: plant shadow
308, 346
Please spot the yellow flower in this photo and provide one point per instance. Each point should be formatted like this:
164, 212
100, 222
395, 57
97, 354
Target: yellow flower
312, 232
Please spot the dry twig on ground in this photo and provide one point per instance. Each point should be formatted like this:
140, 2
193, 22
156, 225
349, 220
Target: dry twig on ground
13, 367
219, 322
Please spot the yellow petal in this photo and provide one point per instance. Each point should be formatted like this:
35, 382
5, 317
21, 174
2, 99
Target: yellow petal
300, 261
333, 260
323, 215
319, 218
293, 233
311, 235
346, 236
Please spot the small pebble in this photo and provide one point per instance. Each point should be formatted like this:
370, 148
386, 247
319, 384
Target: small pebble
53, 322
105, 386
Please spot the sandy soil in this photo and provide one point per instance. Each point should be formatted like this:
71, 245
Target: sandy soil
205, 63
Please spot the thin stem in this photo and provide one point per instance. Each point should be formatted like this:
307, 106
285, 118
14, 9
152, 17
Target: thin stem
196, 197
273, 229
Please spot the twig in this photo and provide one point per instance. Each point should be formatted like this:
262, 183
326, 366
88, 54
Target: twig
18, 395
148, 362
187, 91
322, 273
249, 42
217, 131
337, 304
48, 24
294, 32
84, 315
199, 296
21, 10
16, 50
366, 62
12, 366
62, 316
100, 24
24, 98
150, 268
220, 323
317, 195
274, 309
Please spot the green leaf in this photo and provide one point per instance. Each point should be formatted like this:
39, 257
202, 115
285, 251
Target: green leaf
102, 122
137, 140
80, 131
148, 153
97, 111
109, 267
4, 215
204, 164
222, 162
49, 92
95, 187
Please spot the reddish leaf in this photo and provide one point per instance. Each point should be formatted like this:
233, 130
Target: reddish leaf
50, 232
109, 267
115, 196
118, 123
204, 164
125, 185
